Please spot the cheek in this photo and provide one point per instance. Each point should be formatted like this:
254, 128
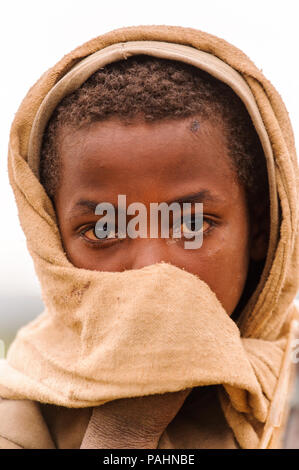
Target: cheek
222, 262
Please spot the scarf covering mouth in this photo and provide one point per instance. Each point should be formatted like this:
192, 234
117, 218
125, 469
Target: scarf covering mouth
110, 335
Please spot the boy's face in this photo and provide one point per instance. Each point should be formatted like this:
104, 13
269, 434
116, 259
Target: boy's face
155, 162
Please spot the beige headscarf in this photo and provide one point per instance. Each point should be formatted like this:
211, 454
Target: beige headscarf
158, 329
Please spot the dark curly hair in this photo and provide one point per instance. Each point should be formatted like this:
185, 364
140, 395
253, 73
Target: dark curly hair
158, 89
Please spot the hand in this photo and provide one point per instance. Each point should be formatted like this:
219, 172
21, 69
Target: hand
132, 423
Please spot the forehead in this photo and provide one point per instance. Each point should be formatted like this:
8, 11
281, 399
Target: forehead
111, 154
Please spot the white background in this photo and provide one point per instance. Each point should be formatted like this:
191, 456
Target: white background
36, 34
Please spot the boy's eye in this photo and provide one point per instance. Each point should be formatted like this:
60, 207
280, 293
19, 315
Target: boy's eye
96, 235
190, 225
194, 225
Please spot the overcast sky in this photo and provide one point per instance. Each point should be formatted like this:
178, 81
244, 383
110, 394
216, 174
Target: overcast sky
36, 34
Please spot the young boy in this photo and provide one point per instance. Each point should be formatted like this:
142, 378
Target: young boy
156, 129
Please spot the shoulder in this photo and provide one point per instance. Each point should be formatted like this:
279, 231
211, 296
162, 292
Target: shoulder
22, 426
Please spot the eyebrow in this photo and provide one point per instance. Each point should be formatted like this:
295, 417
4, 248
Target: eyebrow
86, 206
83, 206
202, 196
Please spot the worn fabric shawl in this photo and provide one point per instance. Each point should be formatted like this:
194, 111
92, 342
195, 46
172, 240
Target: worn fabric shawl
109, 335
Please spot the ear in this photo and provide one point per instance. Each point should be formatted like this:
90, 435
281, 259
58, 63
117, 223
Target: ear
259, 234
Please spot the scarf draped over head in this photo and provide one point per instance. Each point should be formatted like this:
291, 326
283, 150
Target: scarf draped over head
110, 335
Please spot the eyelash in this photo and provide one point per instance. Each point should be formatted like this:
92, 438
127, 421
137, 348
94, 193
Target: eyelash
106, 243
